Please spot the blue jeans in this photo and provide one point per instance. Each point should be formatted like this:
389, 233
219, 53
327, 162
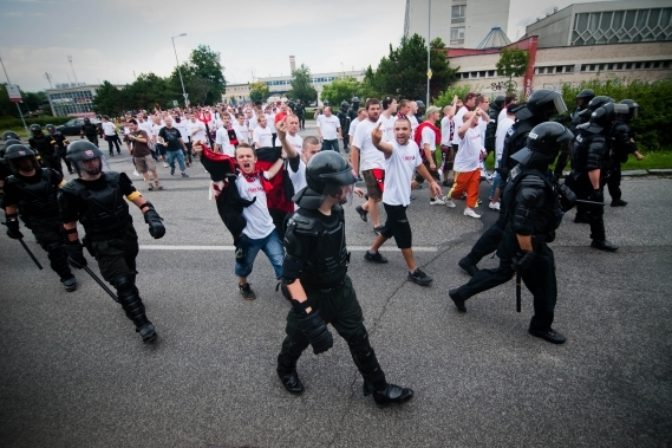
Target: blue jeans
272, 247
179, 155
497, 181
330, 144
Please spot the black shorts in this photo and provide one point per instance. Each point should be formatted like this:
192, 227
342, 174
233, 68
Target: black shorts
397, 226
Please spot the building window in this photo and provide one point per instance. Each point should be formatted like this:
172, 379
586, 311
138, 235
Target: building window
457, 13
634, 25
457, 35
491, 73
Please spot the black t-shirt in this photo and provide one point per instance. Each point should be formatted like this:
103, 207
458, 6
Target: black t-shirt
172, 138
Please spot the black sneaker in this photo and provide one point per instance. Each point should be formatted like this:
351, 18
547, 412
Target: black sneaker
247, 292
458, 300
618, 203
184, 174
375, 257
392, 394
362, 213
172, 170
419, 278
378, 230
549, 335
70, 283
603, 245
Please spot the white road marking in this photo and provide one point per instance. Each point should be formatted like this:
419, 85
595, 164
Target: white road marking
232, 248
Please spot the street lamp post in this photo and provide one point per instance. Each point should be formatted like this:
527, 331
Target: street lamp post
179, 72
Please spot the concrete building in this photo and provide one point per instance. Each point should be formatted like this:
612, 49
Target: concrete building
459, 23
280, 85
617, 40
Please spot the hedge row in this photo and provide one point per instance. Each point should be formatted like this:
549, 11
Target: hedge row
14, 124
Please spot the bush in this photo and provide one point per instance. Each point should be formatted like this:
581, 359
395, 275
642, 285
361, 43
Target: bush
446, 97
14, 124
652, 127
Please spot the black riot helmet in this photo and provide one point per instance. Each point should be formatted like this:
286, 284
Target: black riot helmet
599, 101
603, 116
584, 97
81, 151
499, 102
344, 105
35, 129
10, 135
16, 153
327, 171
355, 101
633, 108
544, 142
542, 104
51, 129
6, 144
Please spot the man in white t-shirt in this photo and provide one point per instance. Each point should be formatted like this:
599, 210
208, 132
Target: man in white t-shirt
361, 116
240, 128
262, 137
427, 136
468, 161
270, 122
196, 131
259, 232
469, 104
365, 156
222, 142
388, 117
110, 132
292, 134
297, 160
159, 149
447, 131
329, 130
402, 159
504, 123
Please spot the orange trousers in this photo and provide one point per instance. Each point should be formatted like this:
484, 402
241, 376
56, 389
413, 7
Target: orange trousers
468, 181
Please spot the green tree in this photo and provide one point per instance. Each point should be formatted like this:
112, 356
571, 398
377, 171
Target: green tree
35, 101
446, 97
341, 90
147, 91
302, 89
258, 92
109, 100
202, 75
442, 74
512, 62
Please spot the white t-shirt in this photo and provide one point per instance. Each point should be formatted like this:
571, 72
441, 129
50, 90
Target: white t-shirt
428, 137
399, 168
182, 127
296, 141
222, 139
242, 132
259, 222
328, 126
468, 157
387, 127
196, 130
298, 177
414, 123
503, 126
155, 128
370, 156
146, 126
458, 119
251, 122
445, 131
353, 127
262, 137
270, 122
109, 129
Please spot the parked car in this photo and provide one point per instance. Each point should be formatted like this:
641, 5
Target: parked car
74, 126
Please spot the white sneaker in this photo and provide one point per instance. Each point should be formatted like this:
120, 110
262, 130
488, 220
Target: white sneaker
436, 201
165, 165
471, 213
449, 202
136, 174
494, 206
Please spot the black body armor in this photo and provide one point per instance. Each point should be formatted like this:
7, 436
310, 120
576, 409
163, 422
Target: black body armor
38, 200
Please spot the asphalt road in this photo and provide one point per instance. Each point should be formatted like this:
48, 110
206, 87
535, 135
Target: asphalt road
73, 373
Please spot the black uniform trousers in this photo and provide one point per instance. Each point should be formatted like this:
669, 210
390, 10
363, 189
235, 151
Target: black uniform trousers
339, 307
595, 214
614, 180
49, 235
115, 256
539, 278
488, 242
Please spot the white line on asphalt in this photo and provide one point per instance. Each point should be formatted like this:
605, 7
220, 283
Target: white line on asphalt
232, 248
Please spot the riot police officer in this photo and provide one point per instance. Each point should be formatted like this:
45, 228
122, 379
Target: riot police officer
354, 108
316, 283
344, 120
31, 193
90, 131
44, 147
60, 142
532, 212
541, 106
7, 141
96, 199
582, 99
590, 161
622, 144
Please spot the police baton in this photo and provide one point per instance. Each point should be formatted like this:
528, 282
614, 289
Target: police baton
25, 246
101, 283
583, 201
518, 290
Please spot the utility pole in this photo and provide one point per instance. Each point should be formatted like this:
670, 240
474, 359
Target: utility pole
9, 85
429, 46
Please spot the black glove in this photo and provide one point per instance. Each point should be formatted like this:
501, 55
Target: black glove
156, 228
522, 261
597, 196
75, 252
316, 331
567, 197
13, 229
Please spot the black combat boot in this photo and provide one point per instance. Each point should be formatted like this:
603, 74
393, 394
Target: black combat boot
287, 359
133, 307
391, 394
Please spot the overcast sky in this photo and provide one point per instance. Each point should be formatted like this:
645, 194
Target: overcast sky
118, 39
